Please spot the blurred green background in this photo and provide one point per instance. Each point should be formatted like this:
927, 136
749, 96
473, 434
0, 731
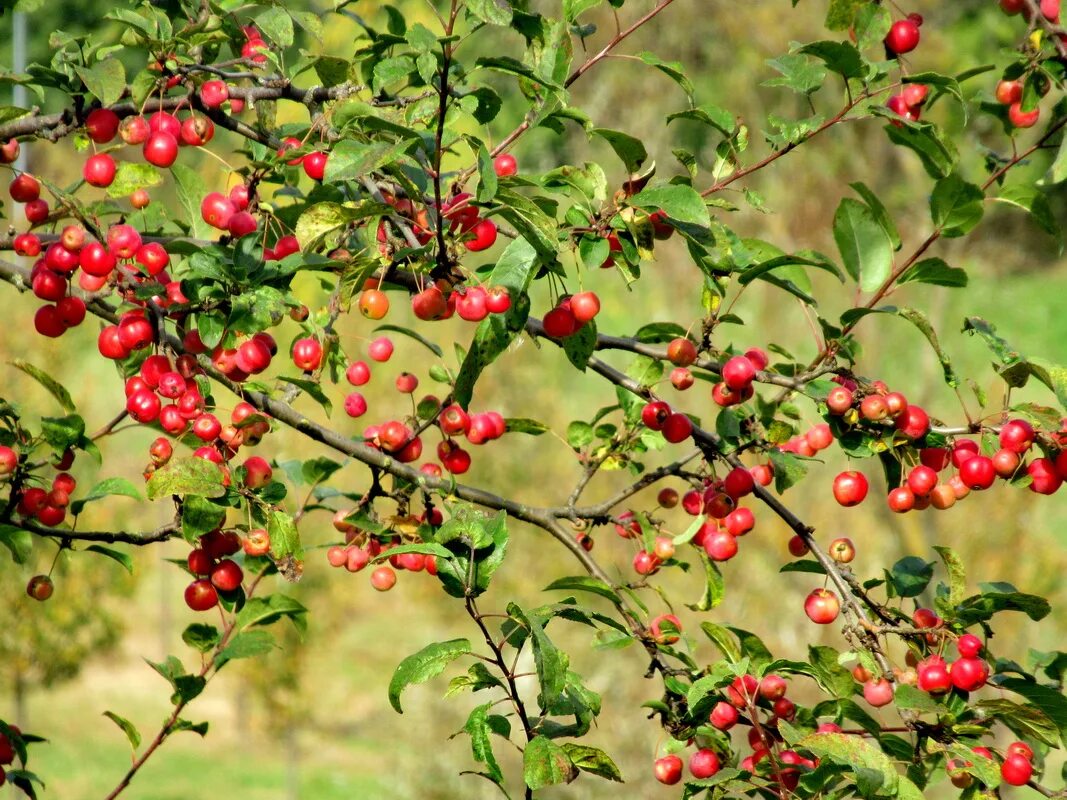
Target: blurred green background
311, 721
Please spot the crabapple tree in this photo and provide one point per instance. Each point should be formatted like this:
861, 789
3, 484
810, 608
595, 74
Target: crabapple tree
398, 186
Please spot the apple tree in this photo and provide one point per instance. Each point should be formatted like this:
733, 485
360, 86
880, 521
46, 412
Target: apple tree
389, 173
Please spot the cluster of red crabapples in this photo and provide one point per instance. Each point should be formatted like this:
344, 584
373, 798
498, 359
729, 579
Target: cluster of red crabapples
762, 702
437, 302
360, 548
463, 219
924, 485
903, 37
212, 568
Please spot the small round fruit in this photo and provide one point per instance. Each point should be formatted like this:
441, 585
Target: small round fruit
505, 165
850, 488
842, 550
200, 595
99, 170
903, 37
484, 236
161, 150
381, 349
307, 354
724, 716
668, 770
738, 372
878, 693
40, 587
1020, 118
677, 428
1016, 770
383, 579
978, 472
822, 606
227, 576
373, 304
704, 763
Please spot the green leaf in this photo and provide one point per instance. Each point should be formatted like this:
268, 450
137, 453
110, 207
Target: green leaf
418, 337
788, 469
545, 763
423, 665
855, 753
679, 202
246, 644
199, 728
530, 427
718, 118
1025, 720
350, 159
799, 73
810, 259
841, 13
477, 726
956, 206
494, 12
531, 221
957, 574
312, 389
879, 211
391, 72
53, 386
201, 637
981, 607
550, 662
1036, 202
114, 555
580, 345
268, 610
938, 156
131, 176
584, 583
1053, 376
276, 24
865, 247
185, 476
592, 760
629, 149
284, 537
511, 66
1058, 171
912, 699
828, 671
934, 271
108, 487
1047, 699
840, 57
672, 69
487, 177
62, 433
752, 647
191, 189
199, 516
919, 320
910, 576
105, 79
872, 24
127, 728
714, 585
18, 541
572, 8
514, 271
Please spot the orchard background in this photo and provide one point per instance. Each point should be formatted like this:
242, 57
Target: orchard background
312, 717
